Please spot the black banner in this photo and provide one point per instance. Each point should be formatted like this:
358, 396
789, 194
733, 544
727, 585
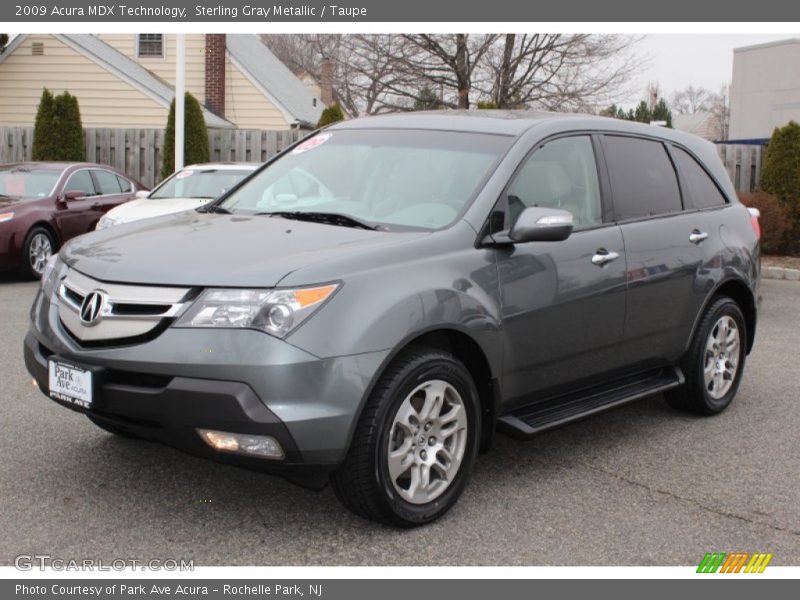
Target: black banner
373, 11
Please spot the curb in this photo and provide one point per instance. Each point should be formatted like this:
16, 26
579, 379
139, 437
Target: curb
780, 273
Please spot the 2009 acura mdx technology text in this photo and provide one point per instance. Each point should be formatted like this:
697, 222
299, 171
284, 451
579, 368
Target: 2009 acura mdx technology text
373, 304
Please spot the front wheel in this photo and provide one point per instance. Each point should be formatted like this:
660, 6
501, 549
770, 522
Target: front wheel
415, 443
715, 361
39, 245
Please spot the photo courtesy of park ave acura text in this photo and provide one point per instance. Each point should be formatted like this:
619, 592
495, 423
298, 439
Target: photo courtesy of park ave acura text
312, 291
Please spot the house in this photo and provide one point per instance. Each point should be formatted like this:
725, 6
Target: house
127, 80
703, 124
765, 89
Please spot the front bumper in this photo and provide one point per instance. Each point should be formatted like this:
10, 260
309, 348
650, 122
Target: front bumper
239, 381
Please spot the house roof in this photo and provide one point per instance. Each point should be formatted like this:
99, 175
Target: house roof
274, 79
701, 123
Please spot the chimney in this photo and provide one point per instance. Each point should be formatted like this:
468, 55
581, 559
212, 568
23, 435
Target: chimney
215, 73
326, 82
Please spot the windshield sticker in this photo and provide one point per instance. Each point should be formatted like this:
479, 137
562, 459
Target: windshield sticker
184, 174
315, 141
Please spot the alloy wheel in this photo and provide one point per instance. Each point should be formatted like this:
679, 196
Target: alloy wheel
427, 441
721, 357
40, 249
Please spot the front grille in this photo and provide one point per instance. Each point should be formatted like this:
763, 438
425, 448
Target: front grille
125, 314
122, 309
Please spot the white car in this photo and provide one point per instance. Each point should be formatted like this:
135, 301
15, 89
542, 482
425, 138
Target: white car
189, 188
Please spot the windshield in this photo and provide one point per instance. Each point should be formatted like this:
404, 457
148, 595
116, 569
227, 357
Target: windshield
199, 183
391, 179
26, 182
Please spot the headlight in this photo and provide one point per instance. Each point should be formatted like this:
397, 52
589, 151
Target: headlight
49, 275
106, 221
6, 217
276, 312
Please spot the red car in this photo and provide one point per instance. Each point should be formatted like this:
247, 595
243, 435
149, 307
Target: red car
42, 205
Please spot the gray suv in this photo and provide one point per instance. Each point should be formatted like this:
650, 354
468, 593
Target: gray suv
372, 305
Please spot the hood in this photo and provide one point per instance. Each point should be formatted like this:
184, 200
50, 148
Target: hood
144, 208
199, 249
9, 202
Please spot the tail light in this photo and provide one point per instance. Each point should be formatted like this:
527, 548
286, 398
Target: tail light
754, 215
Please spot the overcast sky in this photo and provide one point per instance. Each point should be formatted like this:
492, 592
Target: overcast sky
678, 61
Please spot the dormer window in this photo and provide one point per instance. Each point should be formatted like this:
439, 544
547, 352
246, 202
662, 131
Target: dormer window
150, 45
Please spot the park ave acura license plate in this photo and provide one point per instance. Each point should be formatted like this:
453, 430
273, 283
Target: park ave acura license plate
69, 383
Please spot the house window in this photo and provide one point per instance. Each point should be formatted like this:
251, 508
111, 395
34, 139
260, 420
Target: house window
150, 45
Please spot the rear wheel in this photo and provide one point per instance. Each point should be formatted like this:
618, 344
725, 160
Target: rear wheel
714, 364
39, 245
415, 443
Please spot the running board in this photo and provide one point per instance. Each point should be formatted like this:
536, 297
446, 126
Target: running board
534, 418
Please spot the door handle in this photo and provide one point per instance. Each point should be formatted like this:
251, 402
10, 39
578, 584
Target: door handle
96, 205
603, 256
697, 236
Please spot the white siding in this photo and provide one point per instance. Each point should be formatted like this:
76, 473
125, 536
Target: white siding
765, 90
105, 100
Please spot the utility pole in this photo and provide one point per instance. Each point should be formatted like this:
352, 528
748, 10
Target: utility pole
180, 96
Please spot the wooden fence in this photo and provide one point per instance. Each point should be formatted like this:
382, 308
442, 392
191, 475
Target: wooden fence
139, 152
743, 163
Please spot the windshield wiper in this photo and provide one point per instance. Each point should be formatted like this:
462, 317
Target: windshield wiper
323, 217
214, 208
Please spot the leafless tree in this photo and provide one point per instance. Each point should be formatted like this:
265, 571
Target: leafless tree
384, 73
691, 100
719, 106
560, 71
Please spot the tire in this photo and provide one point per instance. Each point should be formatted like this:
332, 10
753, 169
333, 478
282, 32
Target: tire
38, 246
711, 395
395, 415
111, 428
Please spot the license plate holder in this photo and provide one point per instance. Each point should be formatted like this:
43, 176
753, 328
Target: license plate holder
71, 384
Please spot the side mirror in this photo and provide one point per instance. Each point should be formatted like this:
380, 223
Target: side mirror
73, 195
142, 194
538, 224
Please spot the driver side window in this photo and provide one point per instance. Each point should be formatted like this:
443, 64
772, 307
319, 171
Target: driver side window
561, 174
81, 181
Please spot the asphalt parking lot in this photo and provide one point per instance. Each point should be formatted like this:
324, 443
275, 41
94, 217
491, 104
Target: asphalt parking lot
641, 485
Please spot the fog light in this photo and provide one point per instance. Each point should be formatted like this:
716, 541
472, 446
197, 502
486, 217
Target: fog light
263, 446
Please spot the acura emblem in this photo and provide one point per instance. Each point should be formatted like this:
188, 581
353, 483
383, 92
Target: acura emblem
92, 308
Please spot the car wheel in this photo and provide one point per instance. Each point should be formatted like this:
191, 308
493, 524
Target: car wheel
714, 364
415, 443
111, 428
39, 245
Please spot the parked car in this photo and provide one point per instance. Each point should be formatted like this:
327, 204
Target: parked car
42, 205
189, 188
371, 306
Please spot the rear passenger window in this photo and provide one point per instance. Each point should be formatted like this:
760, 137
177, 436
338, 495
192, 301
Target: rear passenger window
108, 182
643, 180
703, 192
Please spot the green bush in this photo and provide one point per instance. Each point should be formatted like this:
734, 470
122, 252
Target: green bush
487, 105
43, 128
67, 114
332, 114
195, 136
427, 100
781, 174
58, 131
